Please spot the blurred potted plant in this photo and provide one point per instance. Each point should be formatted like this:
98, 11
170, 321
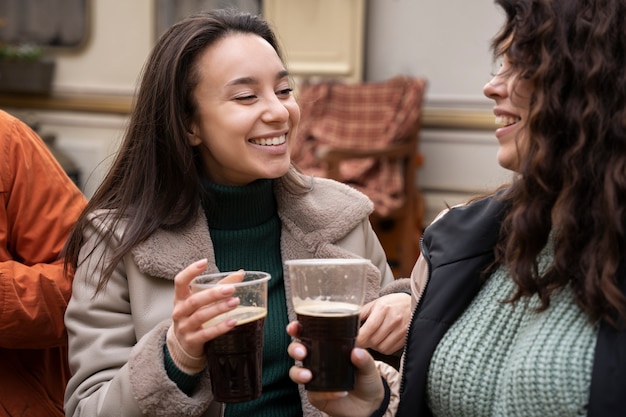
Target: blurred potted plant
24, 69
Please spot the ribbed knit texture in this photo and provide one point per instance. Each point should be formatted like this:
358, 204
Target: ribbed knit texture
510, 360
245, 230
184, 381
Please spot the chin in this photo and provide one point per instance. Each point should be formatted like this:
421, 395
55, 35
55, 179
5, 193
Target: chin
278, 171
508, 162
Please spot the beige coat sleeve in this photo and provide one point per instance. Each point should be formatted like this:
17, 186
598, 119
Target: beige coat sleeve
114, 373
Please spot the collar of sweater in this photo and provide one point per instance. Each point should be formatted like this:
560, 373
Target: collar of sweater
238, 207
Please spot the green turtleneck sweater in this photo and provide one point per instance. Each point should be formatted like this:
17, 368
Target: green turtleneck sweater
245, 231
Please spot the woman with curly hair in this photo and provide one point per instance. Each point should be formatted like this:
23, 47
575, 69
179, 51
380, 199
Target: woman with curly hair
520, 296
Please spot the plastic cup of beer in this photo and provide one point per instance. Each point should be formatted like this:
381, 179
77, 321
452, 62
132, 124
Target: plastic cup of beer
235, 358
327, 296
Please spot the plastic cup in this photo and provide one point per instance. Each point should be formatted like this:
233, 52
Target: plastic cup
327, 296
235, 358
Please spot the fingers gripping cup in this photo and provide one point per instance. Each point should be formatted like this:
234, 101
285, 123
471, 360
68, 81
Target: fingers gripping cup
327, 296
235, 358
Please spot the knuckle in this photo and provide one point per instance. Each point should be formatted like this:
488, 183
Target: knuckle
179, 279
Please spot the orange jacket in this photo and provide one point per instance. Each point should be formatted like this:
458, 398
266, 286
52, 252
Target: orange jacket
39, 205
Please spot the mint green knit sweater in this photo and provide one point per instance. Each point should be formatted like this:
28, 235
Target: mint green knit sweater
245, 230
503, 359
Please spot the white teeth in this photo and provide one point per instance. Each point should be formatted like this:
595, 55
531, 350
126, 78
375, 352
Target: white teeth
278, 140
506, 120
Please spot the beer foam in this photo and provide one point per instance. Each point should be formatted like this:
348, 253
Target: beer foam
243, 315
325, 308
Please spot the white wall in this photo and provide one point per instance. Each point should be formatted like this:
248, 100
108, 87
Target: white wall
448, 43
445, 41
121, 36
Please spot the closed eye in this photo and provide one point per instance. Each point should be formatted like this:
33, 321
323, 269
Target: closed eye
246, 98
284, 92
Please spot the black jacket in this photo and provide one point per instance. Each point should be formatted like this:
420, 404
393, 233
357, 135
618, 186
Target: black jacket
457, 248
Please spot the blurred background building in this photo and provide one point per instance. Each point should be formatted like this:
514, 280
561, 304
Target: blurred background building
99, 46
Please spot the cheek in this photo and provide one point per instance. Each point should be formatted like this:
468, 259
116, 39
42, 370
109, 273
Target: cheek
294, 113
224, 129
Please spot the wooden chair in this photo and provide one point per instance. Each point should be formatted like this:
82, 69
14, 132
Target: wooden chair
367, 135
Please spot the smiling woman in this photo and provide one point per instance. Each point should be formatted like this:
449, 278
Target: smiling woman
512, 100
244, 111
204, 171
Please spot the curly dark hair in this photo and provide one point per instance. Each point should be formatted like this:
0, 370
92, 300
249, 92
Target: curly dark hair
571, 182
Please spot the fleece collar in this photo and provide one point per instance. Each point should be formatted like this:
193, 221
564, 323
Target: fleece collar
311, 223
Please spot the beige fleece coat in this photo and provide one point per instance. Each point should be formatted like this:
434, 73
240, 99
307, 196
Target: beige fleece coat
116, 338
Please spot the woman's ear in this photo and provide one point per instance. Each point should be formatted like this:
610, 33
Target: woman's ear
193, 136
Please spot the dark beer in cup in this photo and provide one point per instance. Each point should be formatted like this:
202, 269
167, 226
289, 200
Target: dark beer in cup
235, 358
329, 331
327, 295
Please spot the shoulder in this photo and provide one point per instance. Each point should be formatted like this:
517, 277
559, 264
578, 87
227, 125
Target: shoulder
464, 231
104, 222
24, 150
327, 202
328, 209
8, 123
334, 191
324, 195
15, 134
470, 216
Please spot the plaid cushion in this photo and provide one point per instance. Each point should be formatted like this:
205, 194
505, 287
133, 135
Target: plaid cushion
359, 116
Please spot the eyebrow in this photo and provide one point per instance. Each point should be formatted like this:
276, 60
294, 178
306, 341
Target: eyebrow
252, 80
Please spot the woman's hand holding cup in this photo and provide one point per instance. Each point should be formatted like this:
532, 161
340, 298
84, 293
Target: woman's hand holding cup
191, 311
368, 391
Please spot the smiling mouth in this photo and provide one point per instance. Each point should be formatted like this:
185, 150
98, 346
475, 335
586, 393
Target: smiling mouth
278, 140
507, 120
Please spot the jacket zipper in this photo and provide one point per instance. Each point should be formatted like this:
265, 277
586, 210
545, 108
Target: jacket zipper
417, 306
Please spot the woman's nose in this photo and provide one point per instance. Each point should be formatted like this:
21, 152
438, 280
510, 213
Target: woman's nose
275, 110
496, 87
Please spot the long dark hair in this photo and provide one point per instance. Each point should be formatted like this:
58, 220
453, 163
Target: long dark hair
571, 182
153, 182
